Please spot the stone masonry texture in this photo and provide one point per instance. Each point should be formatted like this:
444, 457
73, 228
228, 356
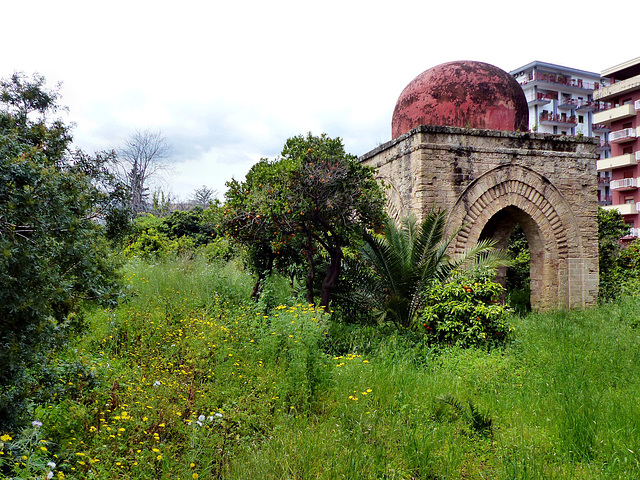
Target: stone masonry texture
489, 181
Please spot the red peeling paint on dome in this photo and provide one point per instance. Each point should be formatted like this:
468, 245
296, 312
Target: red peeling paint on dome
462, 94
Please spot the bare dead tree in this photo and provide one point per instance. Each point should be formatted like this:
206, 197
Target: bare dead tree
137, 161
204, 196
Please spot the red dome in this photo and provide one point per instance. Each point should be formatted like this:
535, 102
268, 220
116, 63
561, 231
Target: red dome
462, 94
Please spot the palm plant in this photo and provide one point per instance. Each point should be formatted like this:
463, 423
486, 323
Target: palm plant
407, 257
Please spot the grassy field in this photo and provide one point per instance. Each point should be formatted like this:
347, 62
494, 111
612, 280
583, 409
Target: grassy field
188, 379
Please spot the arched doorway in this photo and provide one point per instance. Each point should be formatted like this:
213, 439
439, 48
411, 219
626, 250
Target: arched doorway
496, 202
501, 228
490, 180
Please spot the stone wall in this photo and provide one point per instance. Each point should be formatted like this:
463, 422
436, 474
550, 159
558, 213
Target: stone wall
489, 181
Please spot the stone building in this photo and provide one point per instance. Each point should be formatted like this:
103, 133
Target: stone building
460, 144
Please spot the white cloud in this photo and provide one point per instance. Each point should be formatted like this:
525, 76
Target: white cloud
229, 82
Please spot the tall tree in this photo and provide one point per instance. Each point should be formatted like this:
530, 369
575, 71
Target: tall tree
314, 198
52, 251
141, 158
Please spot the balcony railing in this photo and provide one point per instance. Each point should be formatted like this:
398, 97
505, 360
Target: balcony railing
619, 161
542, 98
547, 118
601, 106
634, 232
600, 127
624, 184
613, 114
605, 201
623, 135
562, 80
584, 106
617, 88
603, 146
604, 180
567, 103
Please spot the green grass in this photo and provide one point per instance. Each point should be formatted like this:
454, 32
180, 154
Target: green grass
188, 379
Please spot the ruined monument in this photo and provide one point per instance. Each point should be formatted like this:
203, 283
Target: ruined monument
457, 146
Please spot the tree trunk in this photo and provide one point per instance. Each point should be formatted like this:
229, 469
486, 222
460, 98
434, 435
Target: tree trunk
311, 273
331, 279
262, 276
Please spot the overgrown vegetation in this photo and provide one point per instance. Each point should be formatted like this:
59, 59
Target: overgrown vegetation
53, 256
188, 378
205, 355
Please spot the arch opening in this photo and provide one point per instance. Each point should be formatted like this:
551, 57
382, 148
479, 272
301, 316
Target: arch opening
513, 226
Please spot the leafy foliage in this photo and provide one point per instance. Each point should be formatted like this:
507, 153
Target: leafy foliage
478, 421
314, 198
518, 275
611, 228
52, 252
410, 256
465, 311
178, 233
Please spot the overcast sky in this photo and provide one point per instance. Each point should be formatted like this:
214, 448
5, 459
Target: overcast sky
228, 82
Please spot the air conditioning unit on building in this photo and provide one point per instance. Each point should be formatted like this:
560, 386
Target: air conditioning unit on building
636, 105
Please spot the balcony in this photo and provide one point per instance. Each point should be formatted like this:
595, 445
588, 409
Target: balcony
600, 128
569, 83
603, 181
585, 106
605, 201
541, 98
624, 208
600, 106
603, 147
624, 135
634, 232
626, 160
624, 184
613, 114
618, 88
560, 120
567, 103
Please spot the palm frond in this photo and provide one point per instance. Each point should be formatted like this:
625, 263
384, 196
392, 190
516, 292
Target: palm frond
412, 254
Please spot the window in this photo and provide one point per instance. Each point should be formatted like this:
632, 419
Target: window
626, 101
626, 150
628, 200
580, 119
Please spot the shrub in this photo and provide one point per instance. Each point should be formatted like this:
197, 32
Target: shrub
465, 310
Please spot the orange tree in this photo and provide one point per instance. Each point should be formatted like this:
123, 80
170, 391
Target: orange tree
309, 204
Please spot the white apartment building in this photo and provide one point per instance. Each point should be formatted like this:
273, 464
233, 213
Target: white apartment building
561, 102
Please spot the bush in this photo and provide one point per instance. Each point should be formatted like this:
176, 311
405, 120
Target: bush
465, 311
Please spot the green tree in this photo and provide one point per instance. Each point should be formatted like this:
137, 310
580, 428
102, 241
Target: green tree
53, 255
408, 257
611, 228
314, 199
